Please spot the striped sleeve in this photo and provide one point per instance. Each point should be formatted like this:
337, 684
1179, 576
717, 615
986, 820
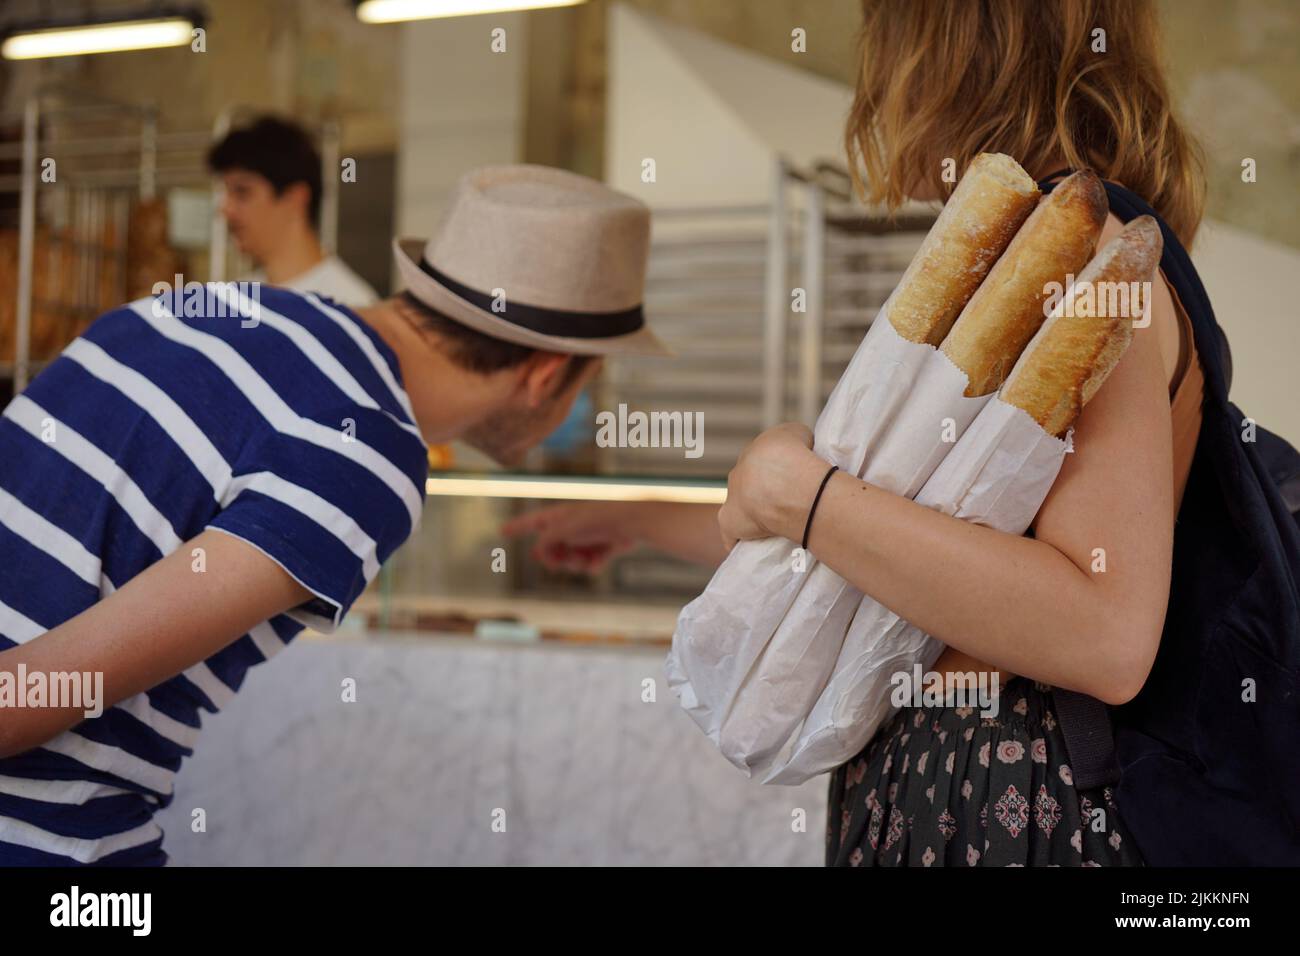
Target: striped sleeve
329, 517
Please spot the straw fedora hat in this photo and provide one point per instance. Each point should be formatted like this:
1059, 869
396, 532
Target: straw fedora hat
539, 257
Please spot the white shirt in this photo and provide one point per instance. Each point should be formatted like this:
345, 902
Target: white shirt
330, 277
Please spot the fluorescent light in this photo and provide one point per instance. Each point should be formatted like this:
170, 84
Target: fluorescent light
393, 11
34, 44
575, 489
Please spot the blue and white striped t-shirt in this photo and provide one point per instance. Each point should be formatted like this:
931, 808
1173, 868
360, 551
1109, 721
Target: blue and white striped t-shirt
289, 428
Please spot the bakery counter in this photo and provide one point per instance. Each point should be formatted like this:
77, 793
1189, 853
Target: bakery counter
517, 619
464, 750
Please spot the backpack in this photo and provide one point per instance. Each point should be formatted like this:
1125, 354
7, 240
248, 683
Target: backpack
1205, 760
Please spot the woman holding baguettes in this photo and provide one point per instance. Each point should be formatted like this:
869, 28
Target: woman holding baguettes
947, 80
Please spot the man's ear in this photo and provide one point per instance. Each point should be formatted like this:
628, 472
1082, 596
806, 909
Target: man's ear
299, 194
540, 374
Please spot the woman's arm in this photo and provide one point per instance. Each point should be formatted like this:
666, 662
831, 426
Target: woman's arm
162, 621
1033, 606
586, 536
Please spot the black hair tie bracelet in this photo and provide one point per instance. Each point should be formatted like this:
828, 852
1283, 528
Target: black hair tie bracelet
813, 510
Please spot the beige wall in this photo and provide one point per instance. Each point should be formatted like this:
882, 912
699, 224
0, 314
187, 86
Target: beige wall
461, 106
1250, 284
1235, 69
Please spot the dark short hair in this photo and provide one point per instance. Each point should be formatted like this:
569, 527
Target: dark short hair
279, 151
472, 350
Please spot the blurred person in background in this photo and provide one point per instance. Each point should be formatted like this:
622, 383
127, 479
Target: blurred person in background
271, 177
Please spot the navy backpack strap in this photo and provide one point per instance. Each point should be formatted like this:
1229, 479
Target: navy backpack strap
1089, 738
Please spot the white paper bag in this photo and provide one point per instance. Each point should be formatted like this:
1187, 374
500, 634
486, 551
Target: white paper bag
998, 475
751, 654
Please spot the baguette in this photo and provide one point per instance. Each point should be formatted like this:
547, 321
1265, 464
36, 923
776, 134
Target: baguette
1056, 241
980, 218
1080, 343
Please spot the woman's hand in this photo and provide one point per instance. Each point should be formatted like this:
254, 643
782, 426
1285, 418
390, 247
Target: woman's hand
585, 536
582, 537
772, 486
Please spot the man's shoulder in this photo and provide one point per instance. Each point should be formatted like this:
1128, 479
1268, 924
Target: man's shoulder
292, 302
342, 349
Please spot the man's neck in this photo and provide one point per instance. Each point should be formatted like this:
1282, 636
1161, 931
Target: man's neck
300, 253
447, 399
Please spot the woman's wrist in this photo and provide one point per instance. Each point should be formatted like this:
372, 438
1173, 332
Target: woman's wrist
788, 507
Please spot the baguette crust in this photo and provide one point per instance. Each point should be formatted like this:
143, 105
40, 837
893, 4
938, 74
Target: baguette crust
979, 220
1067, 362
1002, 316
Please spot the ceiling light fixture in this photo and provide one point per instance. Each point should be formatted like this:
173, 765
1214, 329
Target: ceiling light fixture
395, 11
152, 31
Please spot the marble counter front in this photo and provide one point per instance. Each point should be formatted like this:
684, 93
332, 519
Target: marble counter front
458, 751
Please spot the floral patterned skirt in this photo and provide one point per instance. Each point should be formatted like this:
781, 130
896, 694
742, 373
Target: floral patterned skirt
944, 786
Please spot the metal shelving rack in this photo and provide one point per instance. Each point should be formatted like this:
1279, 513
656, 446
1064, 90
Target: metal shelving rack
105, 155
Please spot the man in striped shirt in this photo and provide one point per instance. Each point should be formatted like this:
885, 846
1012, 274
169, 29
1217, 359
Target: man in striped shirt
204, 472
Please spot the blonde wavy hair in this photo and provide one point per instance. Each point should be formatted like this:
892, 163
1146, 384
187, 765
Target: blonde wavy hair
942, 79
